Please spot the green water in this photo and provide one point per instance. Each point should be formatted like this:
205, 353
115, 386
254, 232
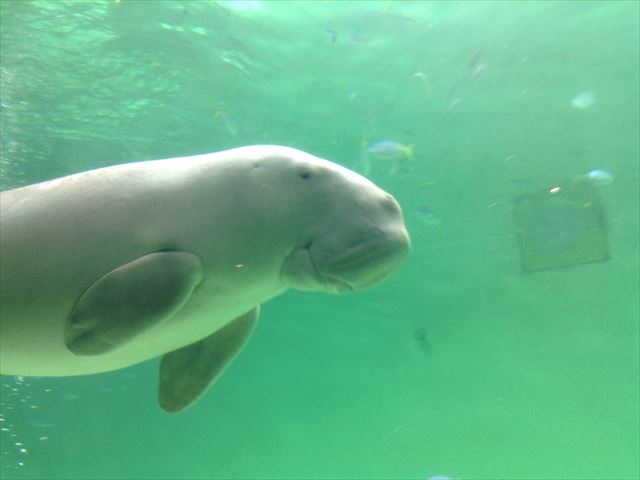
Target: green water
461, 366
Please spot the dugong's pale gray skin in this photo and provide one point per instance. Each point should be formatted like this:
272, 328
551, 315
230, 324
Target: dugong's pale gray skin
107, 268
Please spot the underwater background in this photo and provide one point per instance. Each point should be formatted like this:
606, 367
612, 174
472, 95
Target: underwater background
500, 351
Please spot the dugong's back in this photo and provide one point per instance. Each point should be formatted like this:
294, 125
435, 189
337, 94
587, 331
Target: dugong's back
55, 239
58, 237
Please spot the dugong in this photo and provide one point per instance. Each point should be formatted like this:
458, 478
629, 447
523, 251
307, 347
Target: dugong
107, 268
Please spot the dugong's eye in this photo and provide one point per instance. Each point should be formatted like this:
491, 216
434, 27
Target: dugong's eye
304, 174
389, 204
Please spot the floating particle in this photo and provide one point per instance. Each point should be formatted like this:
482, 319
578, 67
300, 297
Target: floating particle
479, 71
599, 177
583, 100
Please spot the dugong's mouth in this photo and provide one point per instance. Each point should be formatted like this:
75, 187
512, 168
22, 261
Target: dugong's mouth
332, 284
361, 265
300, 272
340, 267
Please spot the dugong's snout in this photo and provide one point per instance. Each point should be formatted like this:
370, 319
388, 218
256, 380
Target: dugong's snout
355, 251
365, 245
358, 236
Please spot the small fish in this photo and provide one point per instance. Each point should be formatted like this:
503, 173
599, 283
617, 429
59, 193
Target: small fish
229, 126
331, 32
421, 337
70, 396
599, 176
390, 150
37, 423
426, 215
583, 100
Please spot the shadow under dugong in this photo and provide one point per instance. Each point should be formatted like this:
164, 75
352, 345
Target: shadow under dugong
107, 268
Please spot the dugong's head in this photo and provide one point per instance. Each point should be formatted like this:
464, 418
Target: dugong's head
353, 233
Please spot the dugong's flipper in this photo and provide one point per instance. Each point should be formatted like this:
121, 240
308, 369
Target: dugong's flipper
186, 373
130, 299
